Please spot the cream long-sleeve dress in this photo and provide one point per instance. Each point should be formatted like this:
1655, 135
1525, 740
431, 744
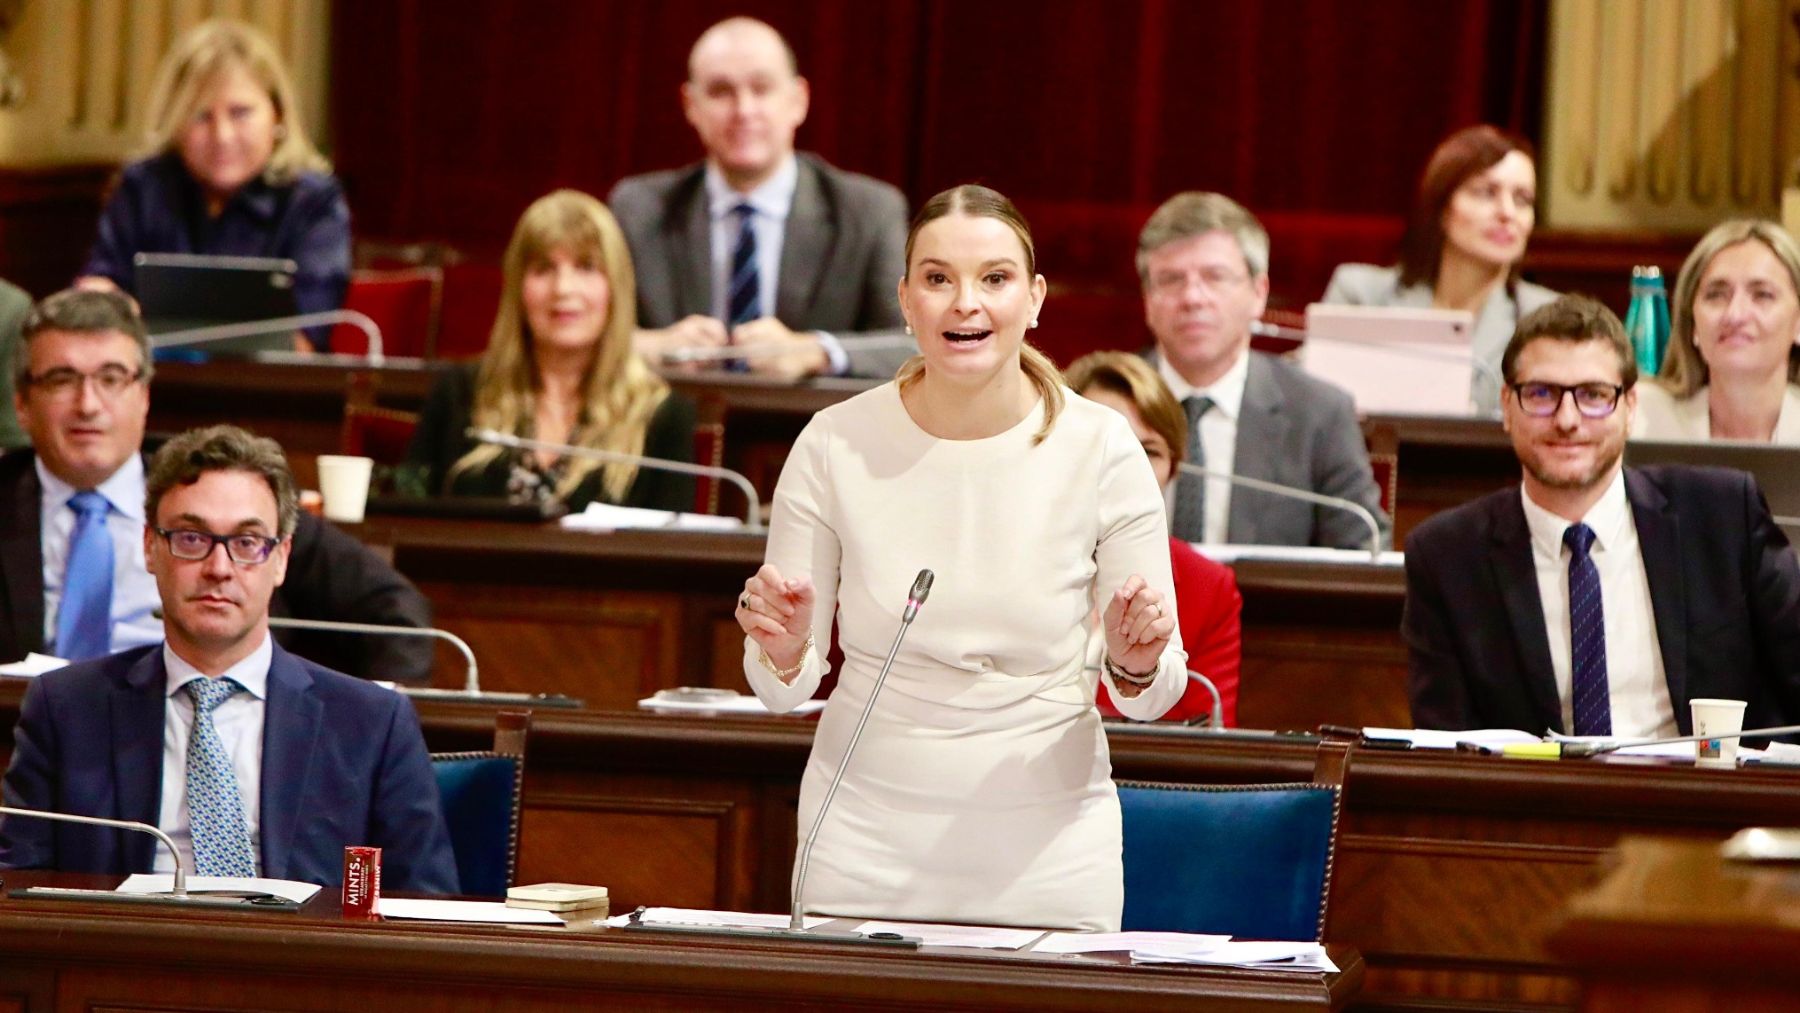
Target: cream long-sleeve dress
982, 789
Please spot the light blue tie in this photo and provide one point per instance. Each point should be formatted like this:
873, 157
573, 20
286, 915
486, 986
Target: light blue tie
215, 809
84, 619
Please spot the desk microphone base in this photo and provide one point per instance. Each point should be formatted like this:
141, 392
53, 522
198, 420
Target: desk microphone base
890, 940
239, 901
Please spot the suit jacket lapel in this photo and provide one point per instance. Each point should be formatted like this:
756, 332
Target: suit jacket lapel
806, 245
1515, 574
690, 241
1659, 542
22, 557
137, 714
290, 729
1262, 427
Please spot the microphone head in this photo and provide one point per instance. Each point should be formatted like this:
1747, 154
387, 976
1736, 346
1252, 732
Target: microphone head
921, 587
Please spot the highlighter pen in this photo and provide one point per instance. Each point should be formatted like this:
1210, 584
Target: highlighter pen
1533, 750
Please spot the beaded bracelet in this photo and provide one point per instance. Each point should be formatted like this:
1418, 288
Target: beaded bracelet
1126, 677
784, 674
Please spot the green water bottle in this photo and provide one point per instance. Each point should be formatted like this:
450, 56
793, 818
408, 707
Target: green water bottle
1647, 319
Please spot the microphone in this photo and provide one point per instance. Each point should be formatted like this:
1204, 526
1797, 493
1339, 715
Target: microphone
921, 587
1306, 495
1486, 372
753, 503
471, 690
1580, 750
276, 325
180, 887
1216, 721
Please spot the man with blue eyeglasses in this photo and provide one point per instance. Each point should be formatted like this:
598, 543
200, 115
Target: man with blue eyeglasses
72, 577
254, 761
1596, 599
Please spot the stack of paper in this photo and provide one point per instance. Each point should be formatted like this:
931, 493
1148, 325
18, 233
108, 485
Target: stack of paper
33, 664
735, 703
708, 919
1260, 955
606, 517
985, 937
1425, 738
1126, 942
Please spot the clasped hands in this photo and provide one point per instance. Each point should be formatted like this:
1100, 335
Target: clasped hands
800, 354
777, 613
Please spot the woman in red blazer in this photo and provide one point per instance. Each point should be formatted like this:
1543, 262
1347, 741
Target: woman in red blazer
1207, 603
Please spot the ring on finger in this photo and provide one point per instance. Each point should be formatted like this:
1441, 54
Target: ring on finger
744, 603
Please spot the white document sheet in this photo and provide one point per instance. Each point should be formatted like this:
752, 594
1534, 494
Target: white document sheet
1264, 956
33, 664
606, 517
1425, 738
163, 882
742, 703
485, 911
1126, 942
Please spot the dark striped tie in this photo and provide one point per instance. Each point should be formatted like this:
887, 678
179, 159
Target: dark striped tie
746, 281
1587, 636
1189, 523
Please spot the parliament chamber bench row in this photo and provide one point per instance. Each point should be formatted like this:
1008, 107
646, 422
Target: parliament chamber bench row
1450, 873
1438, 463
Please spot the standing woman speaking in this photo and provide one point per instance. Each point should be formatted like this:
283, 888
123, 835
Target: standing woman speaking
229, 171
982, 788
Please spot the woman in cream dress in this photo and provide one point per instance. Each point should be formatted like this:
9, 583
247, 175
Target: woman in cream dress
982, 789
1733, 355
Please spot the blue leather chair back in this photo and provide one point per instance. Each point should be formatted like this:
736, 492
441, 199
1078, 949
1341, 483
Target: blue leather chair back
1250, 861
481, 799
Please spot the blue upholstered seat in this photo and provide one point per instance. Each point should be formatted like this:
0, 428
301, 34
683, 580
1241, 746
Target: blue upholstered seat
482, 793
1252, 861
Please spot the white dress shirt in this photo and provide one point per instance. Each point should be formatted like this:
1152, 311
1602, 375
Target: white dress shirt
239, 722
134, 591
1218, 435
1636, 684
770, 203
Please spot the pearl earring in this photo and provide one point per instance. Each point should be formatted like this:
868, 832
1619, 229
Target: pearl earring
909, 329
1034, 321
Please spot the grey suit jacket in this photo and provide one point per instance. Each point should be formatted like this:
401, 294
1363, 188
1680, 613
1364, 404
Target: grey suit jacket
841, 257
1368, 285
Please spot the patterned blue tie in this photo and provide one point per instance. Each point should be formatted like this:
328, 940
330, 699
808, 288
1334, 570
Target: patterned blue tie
215, 809
745, 302
1587, 636
746, 282
84, 619
1189, 522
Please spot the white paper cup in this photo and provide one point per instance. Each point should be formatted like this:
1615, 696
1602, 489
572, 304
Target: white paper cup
344, 482
1717, 717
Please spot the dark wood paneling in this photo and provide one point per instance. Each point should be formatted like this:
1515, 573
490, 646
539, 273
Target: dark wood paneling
47, 220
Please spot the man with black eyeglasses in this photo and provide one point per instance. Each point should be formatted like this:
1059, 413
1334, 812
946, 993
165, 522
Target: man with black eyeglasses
72, 577
254, 761
1597, 599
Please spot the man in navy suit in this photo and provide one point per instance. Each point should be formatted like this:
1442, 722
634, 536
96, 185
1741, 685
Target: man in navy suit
255, 761
1592, 598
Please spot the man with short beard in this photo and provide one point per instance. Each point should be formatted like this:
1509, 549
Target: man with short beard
1597, 599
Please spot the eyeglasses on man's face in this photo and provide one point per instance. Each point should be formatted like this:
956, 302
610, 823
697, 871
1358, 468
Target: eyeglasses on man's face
1592, 400
244, 549
110, 380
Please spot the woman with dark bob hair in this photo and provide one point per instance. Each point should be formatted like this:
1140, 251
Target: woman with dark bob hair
1461, 250
982, 792
559, 368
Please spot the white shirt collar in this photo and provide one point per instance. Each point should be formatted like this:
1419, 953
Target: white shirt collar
1227, 392
1609, 517
123, 489
252, 672
773, 199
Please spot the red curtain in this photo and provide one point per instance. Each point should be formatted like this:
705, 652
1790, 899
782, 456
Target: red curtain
448, 116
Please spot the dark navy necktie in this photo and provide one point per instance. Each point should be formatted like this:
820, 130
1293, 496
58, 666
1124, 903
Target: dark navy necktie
84, 618
1189, 523
1587, 636
745, 300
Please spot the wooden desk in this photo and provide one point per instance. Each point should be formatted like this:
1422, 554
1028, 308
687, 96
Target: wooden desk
60, 955
1450, 869
1443, 462
611, 618
1676, 927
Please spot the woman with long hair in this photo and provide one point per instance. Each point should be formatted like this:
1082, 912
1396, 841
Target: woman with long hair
982, 790
1475, 209
227, 170
1734, 344
559, 368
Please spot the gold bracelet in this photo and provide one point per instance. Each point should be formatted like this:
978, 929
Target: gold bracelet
784, 674
1126, 677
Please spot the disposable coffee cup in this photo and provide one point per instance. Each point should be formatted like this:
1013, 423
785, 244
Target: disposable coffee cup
1721, 718
344, 482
